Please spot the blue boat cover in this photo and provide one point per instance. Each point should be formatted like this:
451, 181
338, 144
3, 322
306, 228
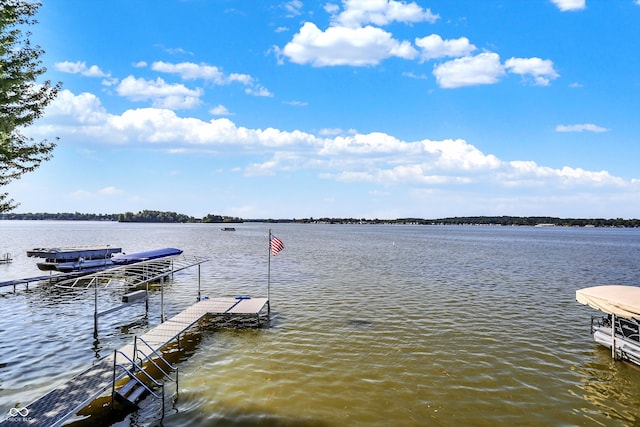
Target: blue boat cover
145, 256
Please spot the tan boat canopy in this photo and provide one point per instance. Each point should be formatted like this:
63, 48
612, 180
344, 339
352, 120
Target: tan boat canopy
623, 301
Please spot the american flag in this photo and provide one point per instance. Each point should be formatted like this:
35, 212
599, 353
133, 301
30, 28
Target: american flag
276, 245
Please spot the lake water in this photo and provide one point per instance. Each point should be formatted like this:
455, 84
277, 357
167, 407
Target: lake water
373, 325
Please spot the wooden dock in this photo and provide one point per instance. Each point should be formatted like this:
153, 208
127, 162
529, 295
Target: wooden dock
60, 404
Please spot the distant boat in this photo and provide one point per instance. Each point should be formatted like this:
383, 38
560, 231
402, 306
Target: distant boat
125, 259
619, 330
76, 258
228, 229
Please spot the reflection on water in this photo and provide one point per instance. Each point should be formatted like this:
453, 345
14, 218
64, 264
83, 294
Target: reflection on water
373, 325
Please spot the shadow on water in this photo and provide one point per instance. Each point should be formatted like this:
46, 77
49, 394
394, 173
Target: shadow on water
102, 411
149, 415
607, 385
359, 323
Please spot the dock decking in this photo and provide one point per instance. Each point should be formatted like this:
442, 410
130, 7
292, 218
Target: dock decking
60, 404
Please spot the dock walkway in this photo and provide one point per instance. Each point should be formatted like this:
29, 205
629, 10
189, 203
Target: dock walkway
63, 402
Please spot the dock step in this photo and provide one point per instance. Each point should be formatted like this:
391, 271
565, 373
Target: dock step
131, 393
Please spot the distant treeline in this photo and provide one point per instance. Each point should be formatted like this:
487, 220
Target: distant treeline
486, 220
173, 217
142, 216
65, 216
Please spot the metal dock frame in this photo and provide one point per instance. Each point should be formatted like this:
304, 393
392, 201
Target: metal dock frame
57, 406
136, 386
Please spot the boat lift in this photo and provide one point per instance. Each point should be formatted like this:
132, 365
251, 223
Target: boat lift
134, 279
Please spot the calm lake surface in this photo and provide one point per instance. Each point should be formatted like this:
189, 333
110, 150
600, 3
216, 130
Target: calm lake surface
372, 325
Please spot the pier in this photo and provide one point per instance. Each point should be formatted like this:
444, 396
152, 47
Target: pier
133, 280
60, 404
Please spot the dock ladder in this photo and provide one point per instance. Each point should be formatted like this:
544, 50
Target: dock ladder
141, 381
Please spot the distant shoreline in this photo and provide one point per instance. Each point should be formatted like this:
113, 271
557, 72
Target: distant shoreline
172, 217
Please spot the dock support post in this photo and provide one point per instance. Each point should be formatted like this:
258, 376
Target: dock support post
199, 294
162, 299
613, 336
135, 351
113, 381
95, 309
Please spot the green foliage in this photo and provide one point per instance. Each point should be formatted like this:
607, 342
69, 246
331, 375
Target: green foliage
142, 216
220, 218
485, 220
172, 217
61, 216
155, 216
22, 99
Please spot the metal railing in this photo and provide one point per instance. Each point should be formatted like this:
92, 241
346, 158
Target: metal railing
148, 358
136, 371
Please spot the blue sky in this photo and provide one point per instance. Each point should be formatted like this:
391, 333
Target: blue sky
352, 108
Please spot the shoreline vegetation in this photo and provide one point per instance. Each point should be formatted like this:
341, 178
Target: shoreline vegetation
149, 216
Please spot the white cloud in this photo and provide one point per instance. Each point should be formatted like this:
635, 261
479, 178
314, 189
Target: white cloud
297, 103
160, 93
213, 74
355, 39
484, 68
333, 9
220, 110
110, 191
529, 173
411, 75
458, 155
588, 127
540, 69
176, 51
293, 8
84, 109
569, 5
434, 46
375, 142
192, 71
92, 195
336, 131
80, 67
381, 12
280, 161
375, 157
258, 91
345, 46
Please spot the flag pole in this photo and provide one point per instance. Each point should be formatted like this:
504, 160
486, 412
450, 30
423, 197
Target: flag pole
269, 278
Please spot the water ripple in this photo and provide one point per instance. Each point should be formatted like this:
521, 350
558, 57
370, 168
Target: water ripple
373, 326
